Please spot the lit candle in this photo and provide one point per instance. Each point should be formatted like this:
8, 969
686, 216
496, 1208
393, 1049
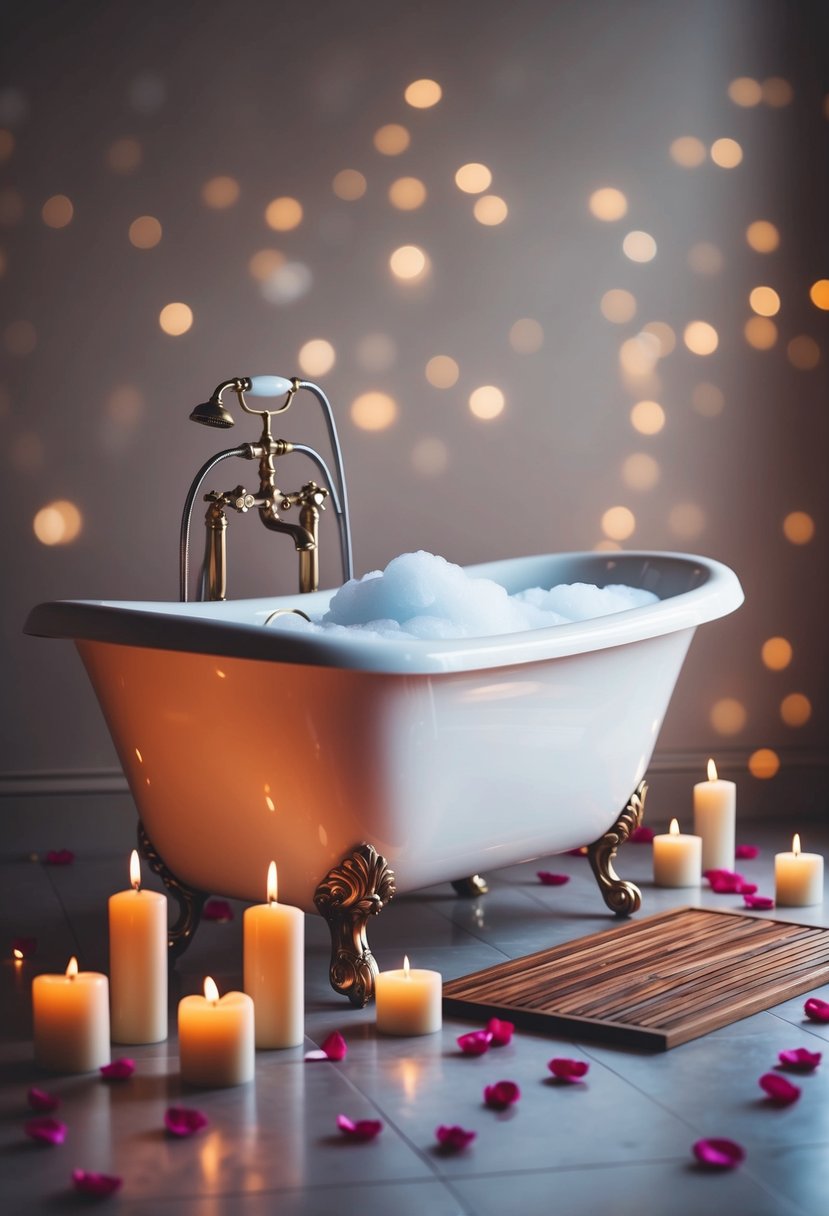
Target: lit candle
677, 859
408, 1002
215, 1038
138, 962
798, 877
715, 804
274, 969
71, 1020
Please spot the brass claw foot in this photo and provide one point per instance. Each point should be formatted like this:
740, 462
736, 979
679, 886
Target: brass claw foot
350, 893
621, 897
190, 901
469, 888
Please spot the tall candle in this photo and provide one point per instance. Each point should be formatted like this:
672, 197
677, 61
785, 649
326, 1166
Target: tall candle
715, 808
215, 1038
71, 1020
408, 1001
677, 859
274, 969
138, 962
798, 877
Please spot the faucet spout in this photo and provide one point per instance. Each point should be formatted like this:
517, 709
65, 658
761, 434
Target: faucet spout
302, 538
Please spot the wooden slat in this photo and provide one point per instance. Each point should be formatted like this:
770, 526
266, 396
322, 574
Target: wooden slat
656, 982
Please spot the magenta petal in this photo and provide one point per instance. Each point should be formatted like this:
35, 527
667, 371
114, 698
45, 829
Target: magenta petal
758, 901
816, 1009
746, 852
552, 880
362, 1129
725, 882
642, 835
454, 1138
719, 1154
475, 1043
335, 1046
40, 1101
747, 888
95, 1184
217, 909
47, 1131
60, 857
501, 1095
501, 1032
184, 1121
25, 946
118, 1070
780, 1091
570, 1071
800, 1059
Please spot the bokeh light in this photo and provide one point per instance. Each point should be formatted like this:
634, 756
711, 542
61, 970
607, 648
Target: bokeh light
640, 471
798, 527
407, 193
220, 193
618, 305
430, 457
764, 301
145, 232
819, 294
473, 178
124, 155
125, 405
409, 263
608, 203
700, 337
777, 92
647, 417
760, 332
264, 263
745, 92
764, 763
376, 352
373, 411
58, 523
392, 139
686, 520
442, 371
639, 246
638, 356
283, 214
705, 258
288, 283
763, 236
776, 653
486, 402
618, 523
795, 709
526, 336
728, 716
316, 357
708, 399
726, 153
423, 94
664, 335
176, 318
687, 151
803, 353
490, 209
349, 185
57, 211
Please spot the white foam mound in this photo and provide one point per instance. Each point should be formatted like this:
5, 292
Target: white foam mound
422, 596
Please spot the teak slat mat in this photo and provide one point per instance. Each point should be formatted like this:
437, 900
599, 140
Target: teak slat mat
653, 983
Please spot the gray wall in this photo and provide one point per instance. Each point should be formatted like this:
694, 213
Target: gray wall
558, 100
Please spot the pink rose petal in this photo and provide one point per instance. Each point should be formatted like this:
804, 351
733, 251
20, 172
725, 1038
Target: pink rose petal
725, 882
816, 1009
335, 1046
642, 835
118, 1070
501, 1032
184, 1120
747, 888
218, 910
746, 852
95, 1184
41, 1101
569, 1071
780, 1091
501, 1095
475, 1043
758, 901
24, 946
60, 857
46, 1130
552, 880
719, 1154
362, 1129
454, 1138
800, 1059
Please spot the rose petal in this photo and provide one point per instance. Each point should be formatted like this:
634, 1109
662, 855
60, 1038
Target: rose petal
118, 1070
47, 1131
642, 835
218, 910
800, 1059
335, 1046
719, 1154
362, 1129
569, 1071
501, 1095
184, 1120
552, 880
24, 946
41, 1101
747, 888
725, 882
780, 1091
454, 1138
475, 1043
758, 901
95, 1184
60, 857
501, 1032
816, 1009
746, 852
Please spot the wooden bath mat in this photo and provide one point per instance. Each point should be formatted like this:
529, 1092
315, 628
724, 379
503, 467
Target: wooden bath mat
653, 983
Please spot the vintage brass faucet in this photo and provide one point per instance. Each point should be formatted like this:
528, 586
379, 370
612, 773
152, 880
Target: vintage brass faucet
269, 500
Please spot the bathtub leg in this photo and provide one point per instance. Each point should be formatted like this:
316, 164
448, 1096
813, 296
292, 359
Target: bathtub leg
350, 893
621, 897
470, 888
190, 902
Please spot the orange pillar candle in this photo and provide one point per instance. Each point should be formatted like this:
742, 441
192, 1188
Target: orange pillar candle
798, 877
215, 1038
138, 962
677, 859
408, 1001
715, 810
274, 969
71, 1020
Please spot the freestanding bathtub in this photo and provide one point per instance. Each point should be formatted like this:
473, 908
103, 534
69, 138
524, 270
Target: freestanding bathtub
344, 760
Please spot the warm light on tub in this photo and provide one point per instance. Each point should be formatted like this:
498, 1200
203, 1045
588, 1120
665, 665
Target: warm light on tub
274, 969
798, 877
216, 1038
715, 809
408, 1001
71, 1020
138, 962
677, 859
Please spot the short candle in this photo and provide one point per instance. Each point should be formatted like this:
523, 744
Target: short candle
677, 859
715, 812
408, 1001
138, 962
274, 969
71, 1020
215, 1038
798, 877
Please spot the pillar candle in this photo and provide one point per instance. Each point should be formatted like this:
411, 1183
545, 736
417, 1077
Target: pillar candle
274, 969
71, 1020
677, 859
408, 1002
798, 877
715, 805
138, 962
215, 1038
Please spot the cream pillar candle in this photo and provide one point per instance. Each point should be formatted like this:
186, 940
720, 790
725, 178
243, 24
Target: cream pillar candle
798, 877
216, 1038
677, 859
408, 1002
274, 969
138, 962
71, 1020
715, 808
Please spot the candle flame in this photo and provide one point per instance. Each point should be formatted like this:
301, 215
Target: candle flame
211, 992
712, 771
17, 955
406, 965
674, 828
796, 844
72, 968
135, 870
272, 883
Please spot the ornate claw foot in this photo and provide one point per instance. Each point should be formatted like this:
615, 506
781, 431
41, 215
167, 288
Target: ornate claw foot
621, 897
190, 902
469, 888
358, 888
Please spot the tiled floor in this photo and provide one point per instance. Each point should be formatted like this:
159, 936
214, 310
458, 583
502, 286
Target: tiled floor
620, 1142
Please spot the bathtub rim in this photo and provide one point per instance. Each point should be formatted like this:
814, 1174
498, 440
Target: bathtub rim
202, 628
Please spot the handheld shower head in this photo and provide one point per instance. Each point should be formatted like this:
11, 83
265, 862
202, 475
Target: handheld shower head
212, 413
